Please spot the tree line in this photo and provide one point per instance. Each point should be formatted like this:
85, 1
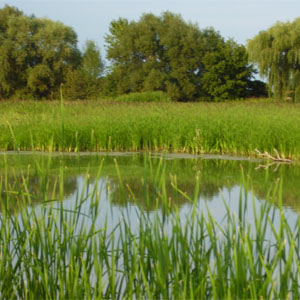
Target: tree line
165, 53
155, 53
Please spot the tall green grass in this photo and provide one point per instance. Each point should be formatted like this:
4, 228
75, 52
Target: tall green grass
58, 252
144, 97
235, 128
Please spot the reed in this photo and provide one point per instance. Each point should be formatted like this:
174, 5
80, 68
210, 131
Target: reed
59, 251
235, 128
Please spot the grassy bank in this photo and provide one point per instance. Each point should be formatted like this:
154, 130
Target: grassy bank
234, 127
58, 252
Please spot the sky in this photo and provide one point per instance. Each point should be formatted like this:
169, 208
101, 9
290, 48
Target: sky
237, 19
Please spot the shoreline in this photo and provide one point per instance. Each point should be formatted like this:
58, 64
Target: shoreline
165, 155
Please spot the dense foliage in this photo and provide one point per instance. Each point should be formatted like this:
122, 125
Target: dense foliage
156, 53
86, 80
276, 51
37, 55
166, 53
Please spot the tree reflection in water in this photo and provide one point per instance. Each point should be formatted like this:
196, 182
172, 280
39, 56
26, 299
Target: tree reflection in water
141, 176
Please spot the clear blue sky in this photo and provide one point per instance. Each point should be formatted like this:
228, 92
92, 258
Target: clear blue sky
239, 19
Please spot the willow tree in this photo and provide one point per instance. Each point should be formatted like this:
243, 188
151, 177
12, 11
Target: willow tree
276, 51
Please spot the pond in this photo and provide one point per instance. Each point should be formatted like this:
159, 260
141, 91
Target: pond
136, 225
133, 181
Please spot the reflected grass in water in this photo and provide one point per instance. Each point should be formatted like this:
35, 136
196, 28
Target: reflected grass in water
143, 174
51, 251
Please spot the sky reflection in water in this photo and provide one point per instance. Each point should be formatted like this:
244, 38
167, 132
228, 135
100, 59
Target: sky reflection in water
221, 180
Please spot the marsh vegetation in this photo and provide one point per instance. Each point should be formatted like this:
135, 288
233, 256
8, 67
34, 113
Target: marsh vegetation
136, 226
233, 127
79, 221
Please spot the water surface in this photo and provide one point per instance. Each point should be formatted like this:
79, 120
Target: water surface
129, 182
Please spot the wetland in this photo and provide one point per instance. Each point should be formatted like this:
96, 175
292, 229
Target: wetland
158, 225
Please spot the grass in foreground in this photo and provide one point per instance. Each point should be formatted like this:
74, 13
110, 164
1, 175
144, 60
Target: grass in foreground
236, 127
54, 252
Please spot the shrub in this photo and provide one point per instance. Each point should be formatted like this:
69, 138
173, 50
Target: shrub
157, 96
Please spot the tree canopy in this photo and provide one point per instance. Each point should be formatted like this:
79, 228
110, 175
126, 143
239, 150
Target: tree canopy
276, 51
86, 80
37, 55
166, 53
155, 53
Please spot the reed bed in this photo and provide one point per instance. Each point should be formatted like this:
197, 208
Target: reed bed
51, 251
233, 127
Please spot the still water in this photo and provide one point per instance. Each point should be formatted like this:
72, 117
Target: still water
128, 183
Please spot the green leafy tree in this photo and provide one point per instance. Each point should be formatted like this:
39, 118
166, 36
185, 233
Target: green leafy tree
86, 80
56, 47
75, 86
227, 72
16, 49
276, 52
166, 53
40, 80
35, 54
92, 63
154, 53
183, 50
93, 68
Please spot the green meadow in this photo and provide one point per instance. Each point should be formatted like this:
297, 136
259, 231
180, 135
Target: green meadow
230, 127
